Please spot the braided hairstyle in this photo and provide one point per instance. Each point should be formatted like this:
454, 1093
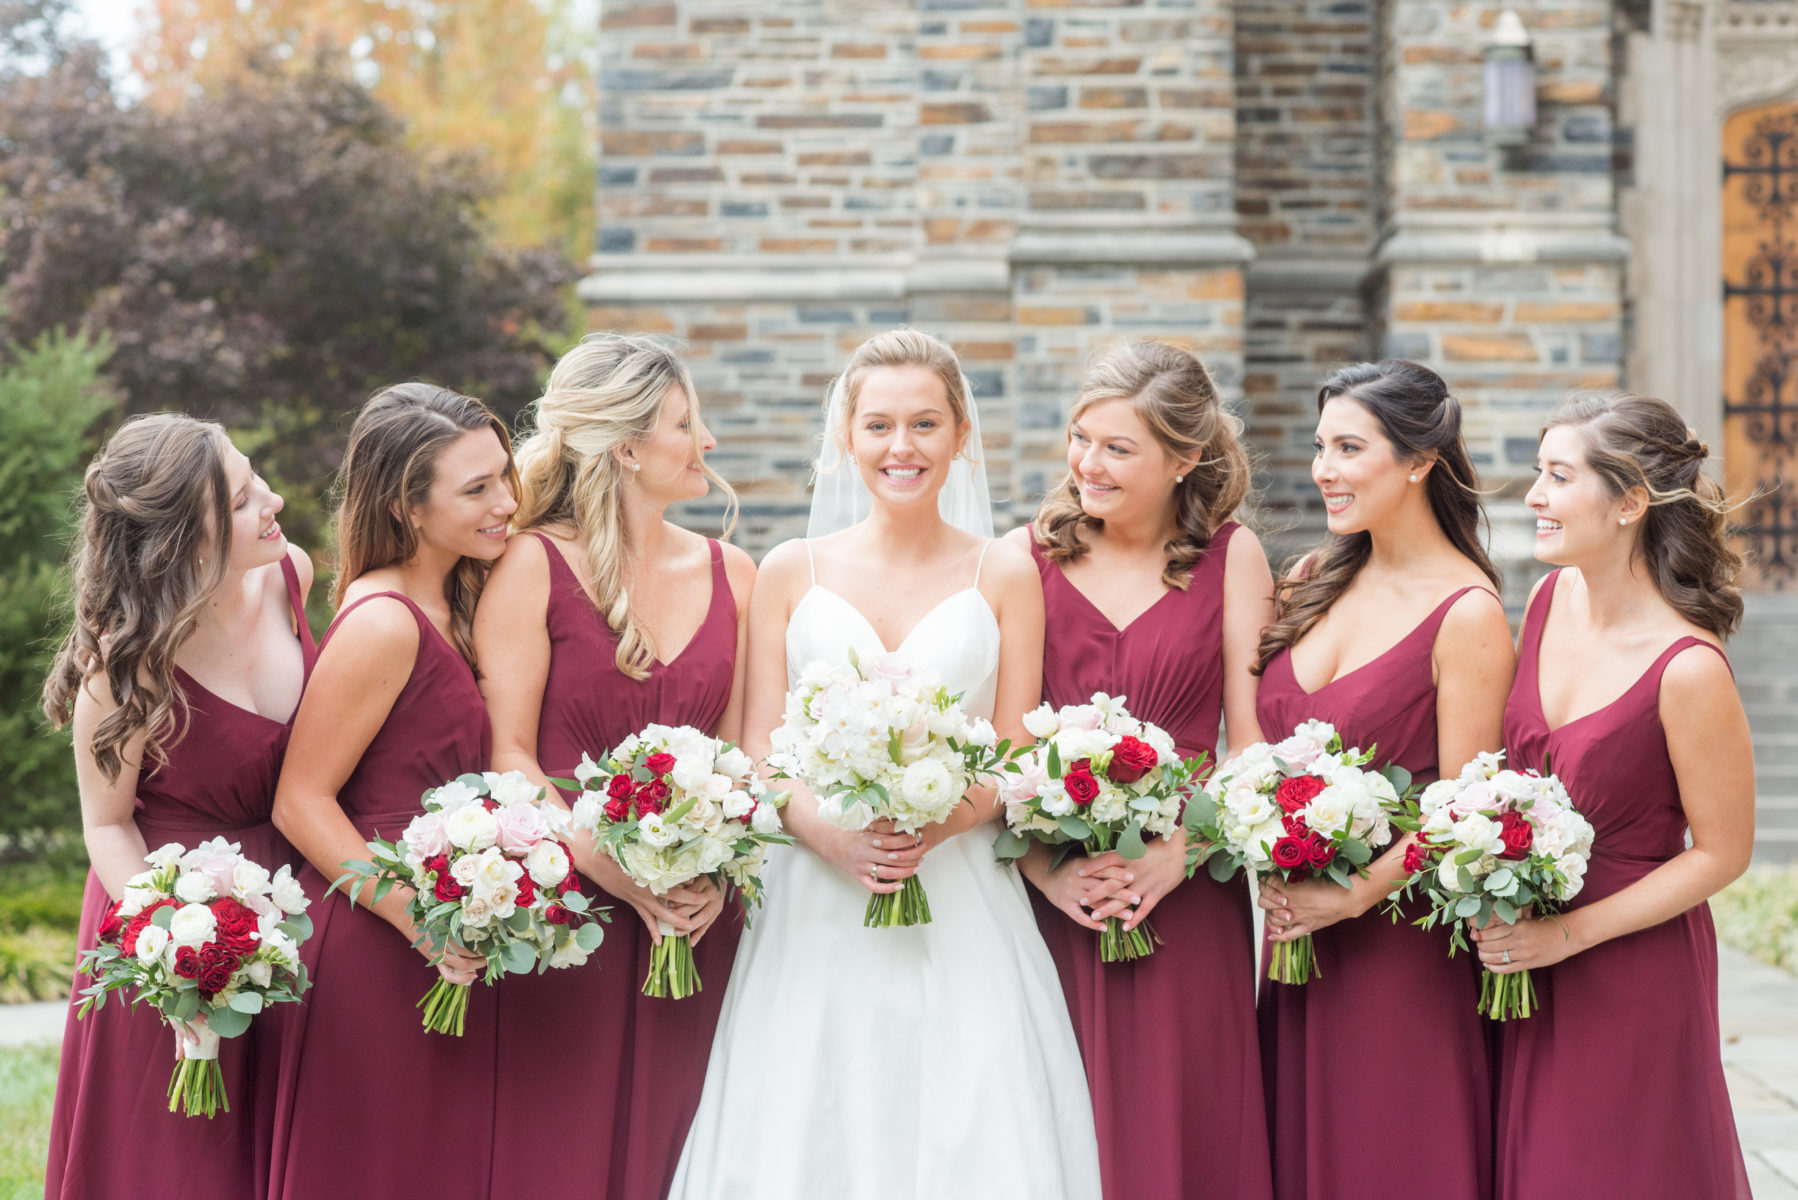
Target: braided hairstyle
1422, 420
153, 544
1637, 441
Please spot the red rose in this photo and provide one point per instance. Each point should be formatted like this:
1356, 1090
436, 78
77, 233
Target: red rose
651, 797
111, 925
570, 883
236, 925
437, 862
1082, 788
620, 788
1298, 791
1131, 760
1416, 855
1289, 853
555, 914
659, 764
527, 890
1517, 833
619, 807
187, 963
135, 926
490, 804
217, 965
1295, 827
1319, 851
447, 888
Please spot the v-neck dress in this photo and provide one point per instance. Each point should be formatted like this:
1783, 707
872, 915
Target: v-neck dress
371, 1103
1188, 1120
631, 1065
1387, 1039
1615, 1086
111, 1133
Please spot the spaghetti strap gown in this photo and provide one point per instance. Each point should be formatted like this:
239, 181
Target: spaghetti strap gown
1627, 1032
631, 1065
111, 1133
371, 1103
1387, 1039
1187, 1121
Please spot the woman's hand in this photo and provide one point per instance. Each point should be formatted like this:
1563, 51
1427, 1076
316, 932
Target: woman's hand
1160, 870
1301, 906
1087, 896
456, 964
879, 857
682, 909
1530, 942
700, 901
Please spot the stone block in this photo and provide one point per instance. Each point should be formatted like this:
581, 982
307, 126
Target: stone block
641, 143
1448, 312
1114, 97
637, 16
953, 114
1493, 347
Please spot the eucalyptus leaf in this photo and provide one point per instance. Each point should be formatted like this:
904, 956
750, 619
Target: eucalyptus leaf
1467, 906
1130, 843
247, 1002
1222, 867
1074, 827
227, 1022
589, 936
1010, 845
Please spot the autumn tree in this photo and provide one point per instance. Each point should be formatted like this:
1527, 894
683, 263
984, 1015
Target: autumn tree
511, 82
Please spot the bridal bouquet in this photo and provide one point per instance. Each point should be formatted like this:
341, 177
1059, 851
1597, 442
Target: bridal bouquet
1100, 779
1494, 843
209, 939
881, 739
1299, 808
670, 804
489, 874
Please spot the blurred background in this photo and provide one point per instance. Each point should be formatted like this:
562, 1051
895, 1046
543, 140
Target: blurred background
263, 211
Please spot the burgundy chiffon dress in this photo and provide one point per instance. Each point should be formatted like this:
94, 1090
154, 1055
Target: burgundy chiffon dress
370, 1103
1385, 1046
111, 1133
1169, 1040
1614, 1087
627, 1067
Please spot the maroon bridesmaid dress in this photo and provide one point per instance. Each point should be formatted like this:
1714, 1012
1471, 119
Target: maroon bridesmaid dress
627, 1068
1382, 1059
1615, 1086
1169, 1040
370, 1103
111, 1133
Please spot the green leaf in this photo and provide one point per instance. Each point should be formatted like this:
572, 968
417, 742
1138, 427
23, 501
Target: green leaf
477, 782
574, 902
1507, 912
1130, 843
1341, 876
1399, 778
186, 1006
518, 957
1075, 829
895, 747
589, 936
161, 917
247, 1002
227, 1022
1010, 845
1500, 879
1467, 906
1222, 867
1356, 852
1054, 762
570, 785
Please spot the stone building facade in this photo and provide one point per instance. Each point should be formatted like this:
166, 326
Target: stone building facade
1282, 185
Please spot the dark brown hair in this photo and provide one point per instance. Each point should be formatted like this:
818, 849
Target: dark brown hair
388, 470
1171, 391
153, 544
1422, 420
1638, 441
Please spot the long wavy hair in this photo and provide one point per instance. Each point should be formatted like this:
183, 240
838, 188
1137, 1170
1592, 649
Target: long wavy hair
1637, 441
1171, 391
388, 470
604, 394
153, 544
1421, 419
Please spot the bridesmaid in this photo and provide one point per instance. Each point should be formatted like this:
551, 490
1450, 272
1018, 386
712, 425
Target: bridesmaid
609, 618
181, 575
1153, 593
1625, 693
369, 1101
1389, 632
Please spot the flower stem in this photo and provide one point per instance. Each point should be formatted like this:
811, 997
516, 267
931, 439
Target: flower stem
1293, 962
1118, 944
198, 1087
671, 970
1503, 997
890, 910
446, 1007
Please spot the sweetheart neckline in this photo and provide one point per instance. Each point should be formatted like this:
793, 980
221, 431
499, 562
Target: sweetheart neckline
916, 625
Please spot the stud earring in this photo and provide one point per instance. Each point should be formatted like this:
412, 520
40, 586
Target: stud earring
1623, 520
1179, 479
1413, 479
636, 466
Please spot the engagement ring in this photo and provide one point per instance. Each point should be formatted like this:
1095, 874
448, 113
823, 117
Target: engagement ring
1506, 959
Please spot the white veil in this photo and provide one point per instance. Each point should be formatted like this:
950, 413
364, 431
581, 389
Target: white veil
840, 498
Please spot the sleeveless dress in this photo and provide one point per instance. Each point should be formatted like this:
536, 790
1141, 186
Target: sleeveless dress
1189, 1123
111, 1133
631, 1065
926, 1063
370, 1103
1627, 1031
1386, 1044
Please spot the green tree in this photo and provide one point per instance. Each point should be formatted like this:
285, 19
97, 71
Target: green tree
51, 397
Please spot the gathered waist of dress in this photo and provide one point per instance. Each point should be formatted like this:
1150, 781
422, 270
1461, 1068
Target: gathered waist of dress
386, 825
193, 828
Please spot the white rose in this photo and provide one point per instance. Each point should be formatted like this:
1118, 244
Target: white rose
280, 949
737, 804
1041, 722
194, 888
471, 827
548, 864
260, 972
249, 879
495, 871
1573, 866
1478, 831
1448, 874
464, 868
568, 954
714, 853
137, 897
656, 832
477, 912
734, 763
587, 811
150, 944
766, 820
927, 784
1258, 841
587, 770
689, 774
1485, 765
1320, 732
454, 796
1436, 796
192, 925
980, 732
1329, 811
164, 855
510, 787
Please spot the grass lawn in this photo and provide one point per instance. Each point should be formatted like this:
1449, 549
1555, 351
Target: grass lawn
1758, 914
27, 1085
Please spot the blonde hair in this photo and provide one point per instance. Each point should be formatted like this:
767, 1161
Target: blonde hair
1169, 388
140, 582
897, 348
603, 394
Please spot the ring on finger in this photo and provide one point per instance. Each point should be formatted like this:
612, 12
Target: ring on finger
1506, 960
873, 870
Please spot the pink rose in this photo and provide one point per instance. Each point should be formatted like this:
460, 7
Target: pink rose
1475, 797
426, 836
894, 668
521, 826
1081, 716
1298, 751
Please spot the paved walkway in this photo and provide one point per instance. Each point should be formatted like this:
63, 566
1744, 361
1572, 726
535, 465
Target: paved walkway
1760, 1056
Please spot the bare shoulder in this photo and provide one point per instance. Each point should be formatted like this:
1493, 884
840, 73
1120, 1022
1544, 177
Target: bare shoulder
1020, 537
1476, 622
380, 629
739, 568
1009, 564
302, 565
1245, 551
785, 571
1699, 670
525, 559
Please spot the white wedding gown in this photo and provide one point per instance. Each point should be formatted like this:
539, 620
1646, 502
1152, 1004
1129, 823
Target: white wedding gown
935, 1062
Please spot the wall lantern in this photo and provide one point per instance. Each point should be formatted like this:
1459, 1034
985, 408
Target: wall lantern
1510, 82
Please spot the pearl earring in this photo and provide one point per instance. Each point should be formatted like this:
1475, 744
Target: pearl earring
1623, 520
636, 466
1413, 479
1179, 479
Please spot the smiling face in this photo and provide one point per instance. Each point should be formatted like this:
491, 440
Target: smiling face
1123, 471
256, 537
903, 435
670, 461
466, 511
1576, 513
1358, 469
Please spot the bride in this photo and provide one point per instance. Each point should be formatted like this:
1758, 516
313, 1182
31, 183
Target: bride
936, 1060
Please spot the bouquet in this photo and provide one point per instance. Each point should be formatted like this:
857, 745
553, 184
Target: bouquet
1100, 779
670, 804
210, 939
1494, 843
1300, 808
881, 739
490, 874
